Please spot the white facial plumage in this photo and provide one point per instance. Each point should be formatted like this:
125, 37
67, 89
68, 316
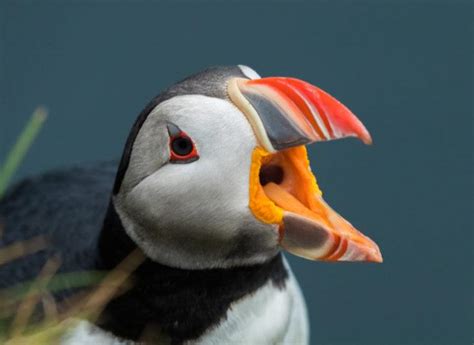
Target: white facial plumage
194, 215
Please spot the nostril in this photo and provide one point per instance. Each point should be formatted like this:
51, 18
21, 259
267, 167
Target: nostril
271, 173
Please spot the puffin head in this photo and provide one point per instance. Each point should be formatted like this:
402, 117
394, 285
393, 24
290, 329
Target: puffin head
215, 173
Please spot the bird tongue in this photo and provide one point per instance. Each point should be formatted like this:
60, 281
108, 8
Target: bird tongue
289, 203
317, 231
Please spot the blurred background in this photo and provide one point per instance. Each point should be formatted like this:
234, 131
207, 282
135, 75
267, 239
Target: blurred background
405, 68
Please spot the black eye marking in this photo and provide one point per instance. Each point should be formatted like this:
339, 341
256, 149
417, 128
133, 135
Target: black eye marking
173, 130
182, 148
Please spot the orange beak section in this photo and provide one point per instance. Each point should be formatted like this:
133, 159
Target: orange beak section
285, 192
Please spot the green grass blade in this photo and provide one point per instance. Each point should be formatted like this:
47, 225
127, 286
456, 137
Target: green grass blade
19, 150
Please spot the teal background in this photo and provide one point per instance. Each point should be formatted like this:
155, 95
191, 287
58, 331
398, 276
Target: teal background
405, 68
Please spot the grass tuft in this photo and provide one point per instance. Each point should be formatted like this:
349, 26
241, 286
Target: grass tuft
19, 303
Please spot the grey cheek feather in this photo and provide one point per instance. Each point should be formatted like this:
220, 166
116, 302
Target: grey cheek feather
150, 152
182, 216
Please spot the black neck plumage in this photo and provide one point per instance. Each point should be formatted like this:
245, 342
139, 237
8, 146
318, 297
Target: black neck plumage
178, 303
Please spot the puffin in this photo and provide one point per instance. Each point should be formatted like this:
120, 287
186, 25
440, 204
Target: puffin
213, 185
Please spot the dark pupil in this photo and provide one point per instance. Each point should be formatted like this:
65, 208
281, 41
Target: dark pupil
182, 146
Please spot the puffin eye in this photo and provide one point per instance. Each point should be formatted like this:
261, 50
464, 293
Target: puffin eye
182, 148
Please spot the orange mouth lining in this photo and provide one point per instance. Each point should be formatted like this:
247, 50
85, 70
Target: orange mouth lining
280, 182
282, 186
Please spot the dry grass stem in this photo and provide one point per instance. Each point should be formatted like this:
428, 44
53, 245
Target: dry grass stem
27, 306
110, 286
20, 249
50, 309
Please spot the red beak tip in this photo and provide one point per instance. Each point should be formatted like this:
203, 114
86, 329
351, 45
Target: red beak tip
363, 134
368, 140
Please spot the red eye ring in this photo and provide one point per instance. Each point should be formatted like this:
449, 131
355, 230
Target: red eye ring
182, 148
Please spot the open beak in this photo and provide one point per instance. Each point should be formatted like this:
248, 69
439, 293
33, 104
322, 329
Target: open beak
287, 114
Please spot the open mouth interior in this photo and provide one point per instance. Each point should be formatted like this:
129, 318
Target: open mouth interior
285, 183
284, 192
